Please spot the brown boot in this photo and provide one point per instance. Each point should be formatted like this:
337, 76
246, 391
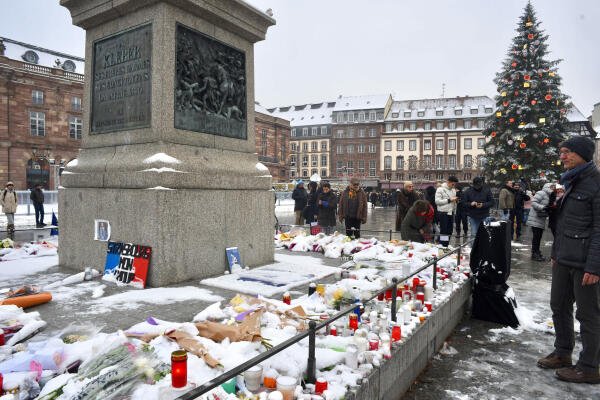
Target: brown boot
577, 375
554, 361
10, 230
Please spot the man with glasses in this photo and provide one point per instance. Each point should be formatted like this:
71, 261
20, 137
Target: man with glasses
353, 208
576, 265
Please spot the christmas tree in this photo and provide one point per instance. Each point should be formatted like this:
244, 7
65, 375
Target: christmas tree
528, 124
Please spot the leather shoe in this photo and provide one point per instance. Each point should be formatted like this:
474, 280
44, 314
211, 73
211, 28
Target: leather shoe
554, 361
577, 375
537, 257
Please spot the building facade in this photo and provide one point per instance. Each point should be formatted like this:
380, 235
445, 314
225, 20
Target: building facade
428, 140
272, 143
357, 124
40, 113
310, 138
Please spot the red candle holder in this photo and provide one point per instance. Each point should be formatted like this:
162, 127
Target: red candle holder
396, 333
428, 306
179, 368
2, 342
421, 297
333, 331
353, 321
373, 344
415, 283
1, 384
320, 386
388, 294
287, 299
380, 296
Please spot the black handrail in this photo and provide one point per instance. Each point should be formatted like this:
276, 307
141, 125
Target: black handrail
313, 328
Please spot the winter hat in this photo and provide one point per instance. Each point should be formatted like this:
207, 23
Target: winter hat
10, 183
580, 145
300, 182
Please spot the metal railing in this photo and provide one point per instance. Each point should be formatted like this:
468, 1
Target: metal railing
313, 327
50, 197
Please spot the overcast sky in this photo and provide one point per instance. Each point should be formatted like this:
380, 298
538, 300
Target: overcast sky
320, 49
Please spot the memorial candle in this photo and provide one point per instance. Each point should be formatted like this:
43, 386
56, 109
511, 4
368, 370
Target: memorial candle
320, 386
353, 321
287, 298
178, 368
396, 333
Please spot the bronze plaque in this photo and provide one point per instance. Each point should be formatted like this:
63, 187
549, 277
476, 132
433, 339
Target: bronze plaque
210, 85
121, 81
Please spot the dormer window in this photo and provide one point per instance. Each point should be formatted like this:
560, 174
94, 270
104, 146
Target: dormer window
407, 114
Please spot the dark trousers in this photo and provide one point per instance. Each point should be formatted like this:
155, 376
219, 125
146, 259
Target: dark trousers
352, 223
518, 216
566, 289
39, 213
445, 227
461, 218
536, 240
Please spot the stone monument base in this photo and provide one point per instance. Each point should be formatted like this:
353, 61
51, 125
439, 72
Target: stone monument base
181, 225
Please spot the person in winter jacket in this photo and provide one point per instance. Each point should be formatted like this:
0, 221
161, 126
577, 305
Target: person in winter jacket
527, 206
520, 198
446, 199
416, 225
327, 204
537, 218
406, 198
477, 200
460, 218
559, 192
352, 208
37, 199
300, 199
8, 200
576, 265
506, 203
311, 211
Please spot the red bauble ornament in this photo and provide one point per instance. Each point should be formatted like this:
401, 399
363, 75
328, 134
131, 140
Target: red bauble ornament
511, 120
505, 103
493, 134
542, 174
526, 77
530, 36
514, 166
533, 102
516, 92
514, 64
522, 145
548, 97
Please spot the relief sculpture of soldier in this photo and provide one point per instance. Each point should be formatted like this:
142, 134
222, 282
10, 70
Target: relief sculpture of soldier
210, 77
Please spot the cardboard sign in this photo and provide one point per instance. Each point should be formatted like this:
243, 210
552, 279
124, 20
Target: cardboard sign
233, 259
128, 263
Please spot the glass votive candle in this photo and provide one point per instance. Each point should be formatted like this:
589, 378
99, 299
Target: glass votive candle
421, 297
388, 294
415, 283
396, 333
353, 321
286, 385
428, 292
380, 296
253, 377
373, 344
287, 298
332, 330
320, 385
270, 379
428, 306
179, 368
421, 317
351, 357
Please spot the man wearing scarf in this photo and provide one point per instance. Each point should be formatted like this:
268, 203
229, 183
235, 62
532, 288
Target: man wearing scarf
353, 208
576, 265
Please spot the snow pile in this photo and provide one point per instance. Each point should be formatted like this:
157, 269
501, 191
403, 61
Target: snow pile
29, 250
161, 158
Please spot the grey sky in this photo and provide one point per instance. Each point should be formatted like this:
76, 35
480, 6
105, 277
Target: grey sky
320, 49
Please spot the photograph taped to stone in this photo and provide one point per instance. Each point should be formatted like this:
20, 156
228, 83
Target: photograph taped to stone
101, 230
127, 263
210, 85
233, 259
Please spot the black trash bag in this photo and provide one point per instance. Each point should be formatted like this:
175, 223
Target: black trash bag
490, 303
490, 265
490, 255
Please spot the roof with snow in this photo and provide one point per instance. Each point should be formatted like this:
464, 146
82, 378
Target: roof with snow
574, 115
305, 114
430, 108
37, 55
368, 102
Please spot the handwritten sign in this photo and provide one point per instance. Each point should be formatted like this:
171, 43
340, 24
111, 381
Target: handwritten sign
128, 263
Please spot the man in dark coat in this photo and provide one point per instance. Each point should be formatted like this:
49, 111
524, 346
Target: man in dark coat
520, 198
327, 203
300, 198
37, 199
576, 265
353, 208
406, 198
460, 218
477, 200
